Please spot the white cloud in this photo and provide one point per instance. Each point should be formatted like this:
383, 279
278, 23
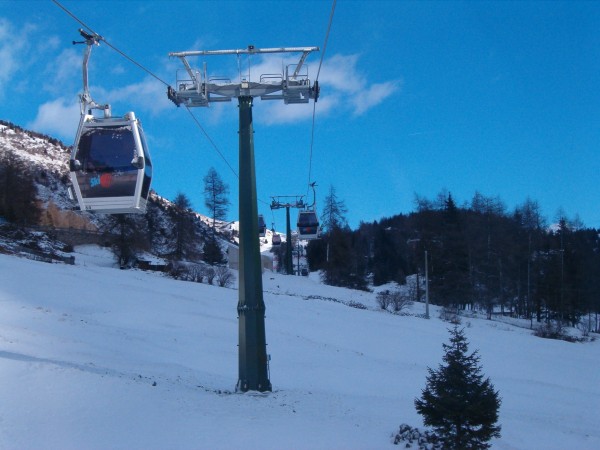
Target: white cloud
344, 89
117, 69
367, 98
149, 95
274, 112
341, 78
339, 74
64, 70
12, 55
21, 48
145, 97
57, 117
61, 116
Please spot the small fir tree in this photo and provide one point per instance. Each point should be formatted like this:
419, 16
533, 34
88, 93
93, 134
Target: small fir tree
213, 254
457, 401
334, 211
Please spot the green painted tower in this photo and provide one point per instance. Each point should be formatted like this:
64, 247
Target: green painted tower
194, 88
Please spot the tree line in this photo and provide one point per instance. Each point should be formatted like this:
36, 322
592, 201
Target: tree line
18, 193
479, 256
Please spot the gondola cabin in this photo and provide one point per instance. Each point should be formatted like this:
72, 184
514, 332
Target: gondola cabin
308, 225
276, 239
262, 226
110, 165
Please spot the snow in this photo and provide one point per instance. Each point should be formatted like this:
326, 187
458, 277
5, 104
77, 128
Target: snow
35, 151
95, 357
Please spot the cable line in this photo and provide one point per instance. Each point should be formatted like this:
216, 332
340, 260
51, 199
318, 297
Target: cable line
211, 141
326, 38
218, 151
149, 72
312, 132
57, 3
136, 63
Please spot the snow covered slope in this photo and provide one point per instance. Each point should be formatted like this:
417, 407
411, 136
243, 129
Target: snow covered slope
92, 357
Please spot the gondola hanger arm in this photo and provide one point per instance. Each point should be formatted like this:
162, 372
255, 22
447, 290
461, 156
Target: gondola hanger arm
86, 99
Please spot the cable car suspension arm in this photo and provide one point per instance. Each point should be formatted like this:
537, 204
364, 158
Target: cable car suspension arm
86, 99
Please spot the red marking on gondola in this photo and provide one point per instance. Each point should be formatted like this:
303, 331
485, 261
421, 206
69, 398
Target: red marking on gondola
106, 180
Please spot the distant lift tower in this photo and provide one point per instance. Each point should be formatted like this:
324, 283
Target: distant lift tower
292, 86
287, 202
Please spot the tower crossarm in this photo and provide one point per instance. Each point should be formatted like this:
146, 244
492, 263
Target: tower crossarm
195, 88
250, 50
287, 201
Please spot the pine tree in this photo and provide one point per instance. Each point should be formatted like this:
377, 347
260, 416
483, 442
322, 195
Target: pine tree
18, 193
215, 196
183, 227
457, 401
127, 235
212, 253
450, 284
334, 211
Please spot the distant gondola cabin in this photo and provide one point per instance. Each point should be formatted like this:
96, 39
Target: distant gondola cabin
276, 239
308, 225
262, 226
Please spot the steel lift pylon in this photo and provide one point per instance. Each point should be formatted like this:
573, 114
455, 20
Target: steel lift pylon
196, 89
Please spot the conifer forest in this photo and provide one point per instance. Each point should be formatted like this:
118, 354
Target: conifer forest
479, 256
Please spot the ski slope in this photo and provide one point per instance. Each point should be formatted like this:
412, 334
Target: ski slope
92, 357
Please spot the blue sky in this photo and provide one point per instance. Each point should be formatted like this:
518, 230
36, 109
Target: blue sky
416, 97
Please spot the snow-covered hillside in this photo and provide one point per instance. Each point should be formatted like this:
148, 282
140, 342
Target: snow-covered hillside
35, 149
95, 357
45, 159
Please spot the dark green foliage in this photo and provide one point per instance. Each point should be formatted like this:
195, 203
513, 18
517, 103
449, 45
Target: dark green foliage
316, 254
18, 194
408, 437
344, 267
183, 228
387, 262
127, 235
452, 286
333, 214
480, 257
217, 202
339, 252
337, 265
212, 252
458, 402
